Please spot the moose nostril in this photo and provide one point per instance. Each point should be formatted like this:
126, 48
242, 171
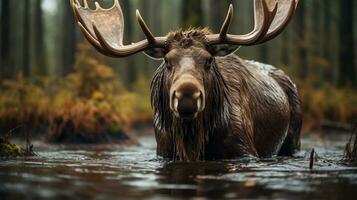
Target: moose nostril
187, 106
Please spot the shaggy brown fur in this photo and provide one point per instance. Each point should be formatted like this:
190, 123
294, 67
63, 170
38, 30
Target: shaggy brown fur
252, 109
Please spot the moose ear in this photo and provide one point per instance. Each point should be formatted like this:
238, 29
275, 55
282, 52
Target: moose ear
222, 50
156, 53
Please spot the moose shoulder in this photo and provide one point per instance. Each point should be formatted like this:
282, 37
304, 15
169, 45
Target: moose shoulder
208, 103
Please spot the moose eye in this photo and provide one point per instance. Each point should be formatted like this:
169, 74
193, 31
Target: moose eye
209, 63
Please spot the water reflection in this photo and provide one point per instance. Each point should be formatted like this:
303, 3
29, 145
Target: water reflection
136, 172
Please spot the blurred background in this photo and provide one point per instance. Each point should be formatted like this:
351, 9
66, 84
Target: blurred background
53, 82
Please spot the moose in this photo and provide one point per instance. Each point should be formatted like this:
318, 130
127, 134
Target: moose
208, 103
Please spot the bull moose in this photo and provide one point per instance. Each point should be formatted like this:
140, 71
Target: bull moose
208, 103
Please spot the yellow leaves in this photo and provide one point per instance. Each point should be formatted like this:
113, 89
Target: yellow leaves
7, 149
98, 96
327, 102
90, 101
124, 104
19, 92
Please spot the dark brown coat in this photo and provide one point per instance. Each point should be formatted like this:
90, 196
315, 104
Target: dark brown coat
252, 109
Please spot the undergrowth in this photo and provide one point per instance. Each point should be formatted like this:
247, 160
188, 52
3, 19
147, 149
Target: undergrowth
89, 105
321, 102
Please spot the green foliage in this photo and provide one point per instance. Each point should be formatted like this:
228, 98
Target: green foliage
9, 150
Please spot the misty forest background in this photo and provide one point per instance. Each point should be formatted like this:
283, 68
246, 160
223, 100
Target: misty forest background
52, 81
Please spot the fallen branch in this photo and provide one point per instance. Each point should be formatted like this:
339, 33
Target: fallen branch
350, 154
312, 159
9, 133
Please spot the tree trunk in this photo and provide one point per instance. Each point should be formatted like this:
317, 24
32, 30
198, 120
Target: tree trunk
69, 38
217, 14
302, 63
263, 53
26, 39
285, 48
5, 39
38, 49
347, 74
328, 75
192, 13
128, 32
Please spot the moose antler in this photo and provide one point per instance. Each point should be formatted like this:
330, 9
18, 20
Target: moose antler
268, 24
104, 29
286, 10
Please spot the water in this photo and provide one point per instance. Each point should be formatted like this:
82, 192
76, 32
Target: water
62, 172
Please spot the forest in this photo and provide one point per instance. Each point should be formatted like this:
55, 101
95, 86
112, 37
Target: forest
75, 124
45, 63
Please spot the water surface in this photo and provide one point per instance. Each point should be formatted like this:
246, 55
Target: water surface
64, 172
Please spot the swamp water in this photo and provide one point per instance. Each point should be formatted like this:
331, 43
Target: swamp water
61, 172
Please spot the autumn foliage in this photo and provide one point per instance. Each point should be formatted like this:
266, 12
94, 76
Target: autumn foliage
322, 102
92, 105
89, 105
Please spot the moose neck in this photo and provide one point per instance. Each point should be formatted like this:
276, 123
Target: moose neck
190, 137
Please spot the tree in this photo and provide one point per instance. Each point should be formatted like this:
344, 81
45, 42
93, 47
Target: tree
4, 38
128, 35
69, 38
217, 14
327, 51
347, 73
26, 39
300, 27
37, 45
192, 13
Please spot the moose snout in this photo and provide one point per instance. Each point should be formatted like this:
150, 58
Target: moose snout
187, 100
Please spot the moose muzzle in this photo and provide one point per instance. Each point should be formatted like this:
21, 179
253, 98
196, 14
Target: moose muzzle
187, 98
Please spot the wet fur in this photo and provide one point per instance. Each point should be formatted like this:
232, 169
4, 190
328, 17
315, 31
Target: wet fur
188, 139
250, 110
